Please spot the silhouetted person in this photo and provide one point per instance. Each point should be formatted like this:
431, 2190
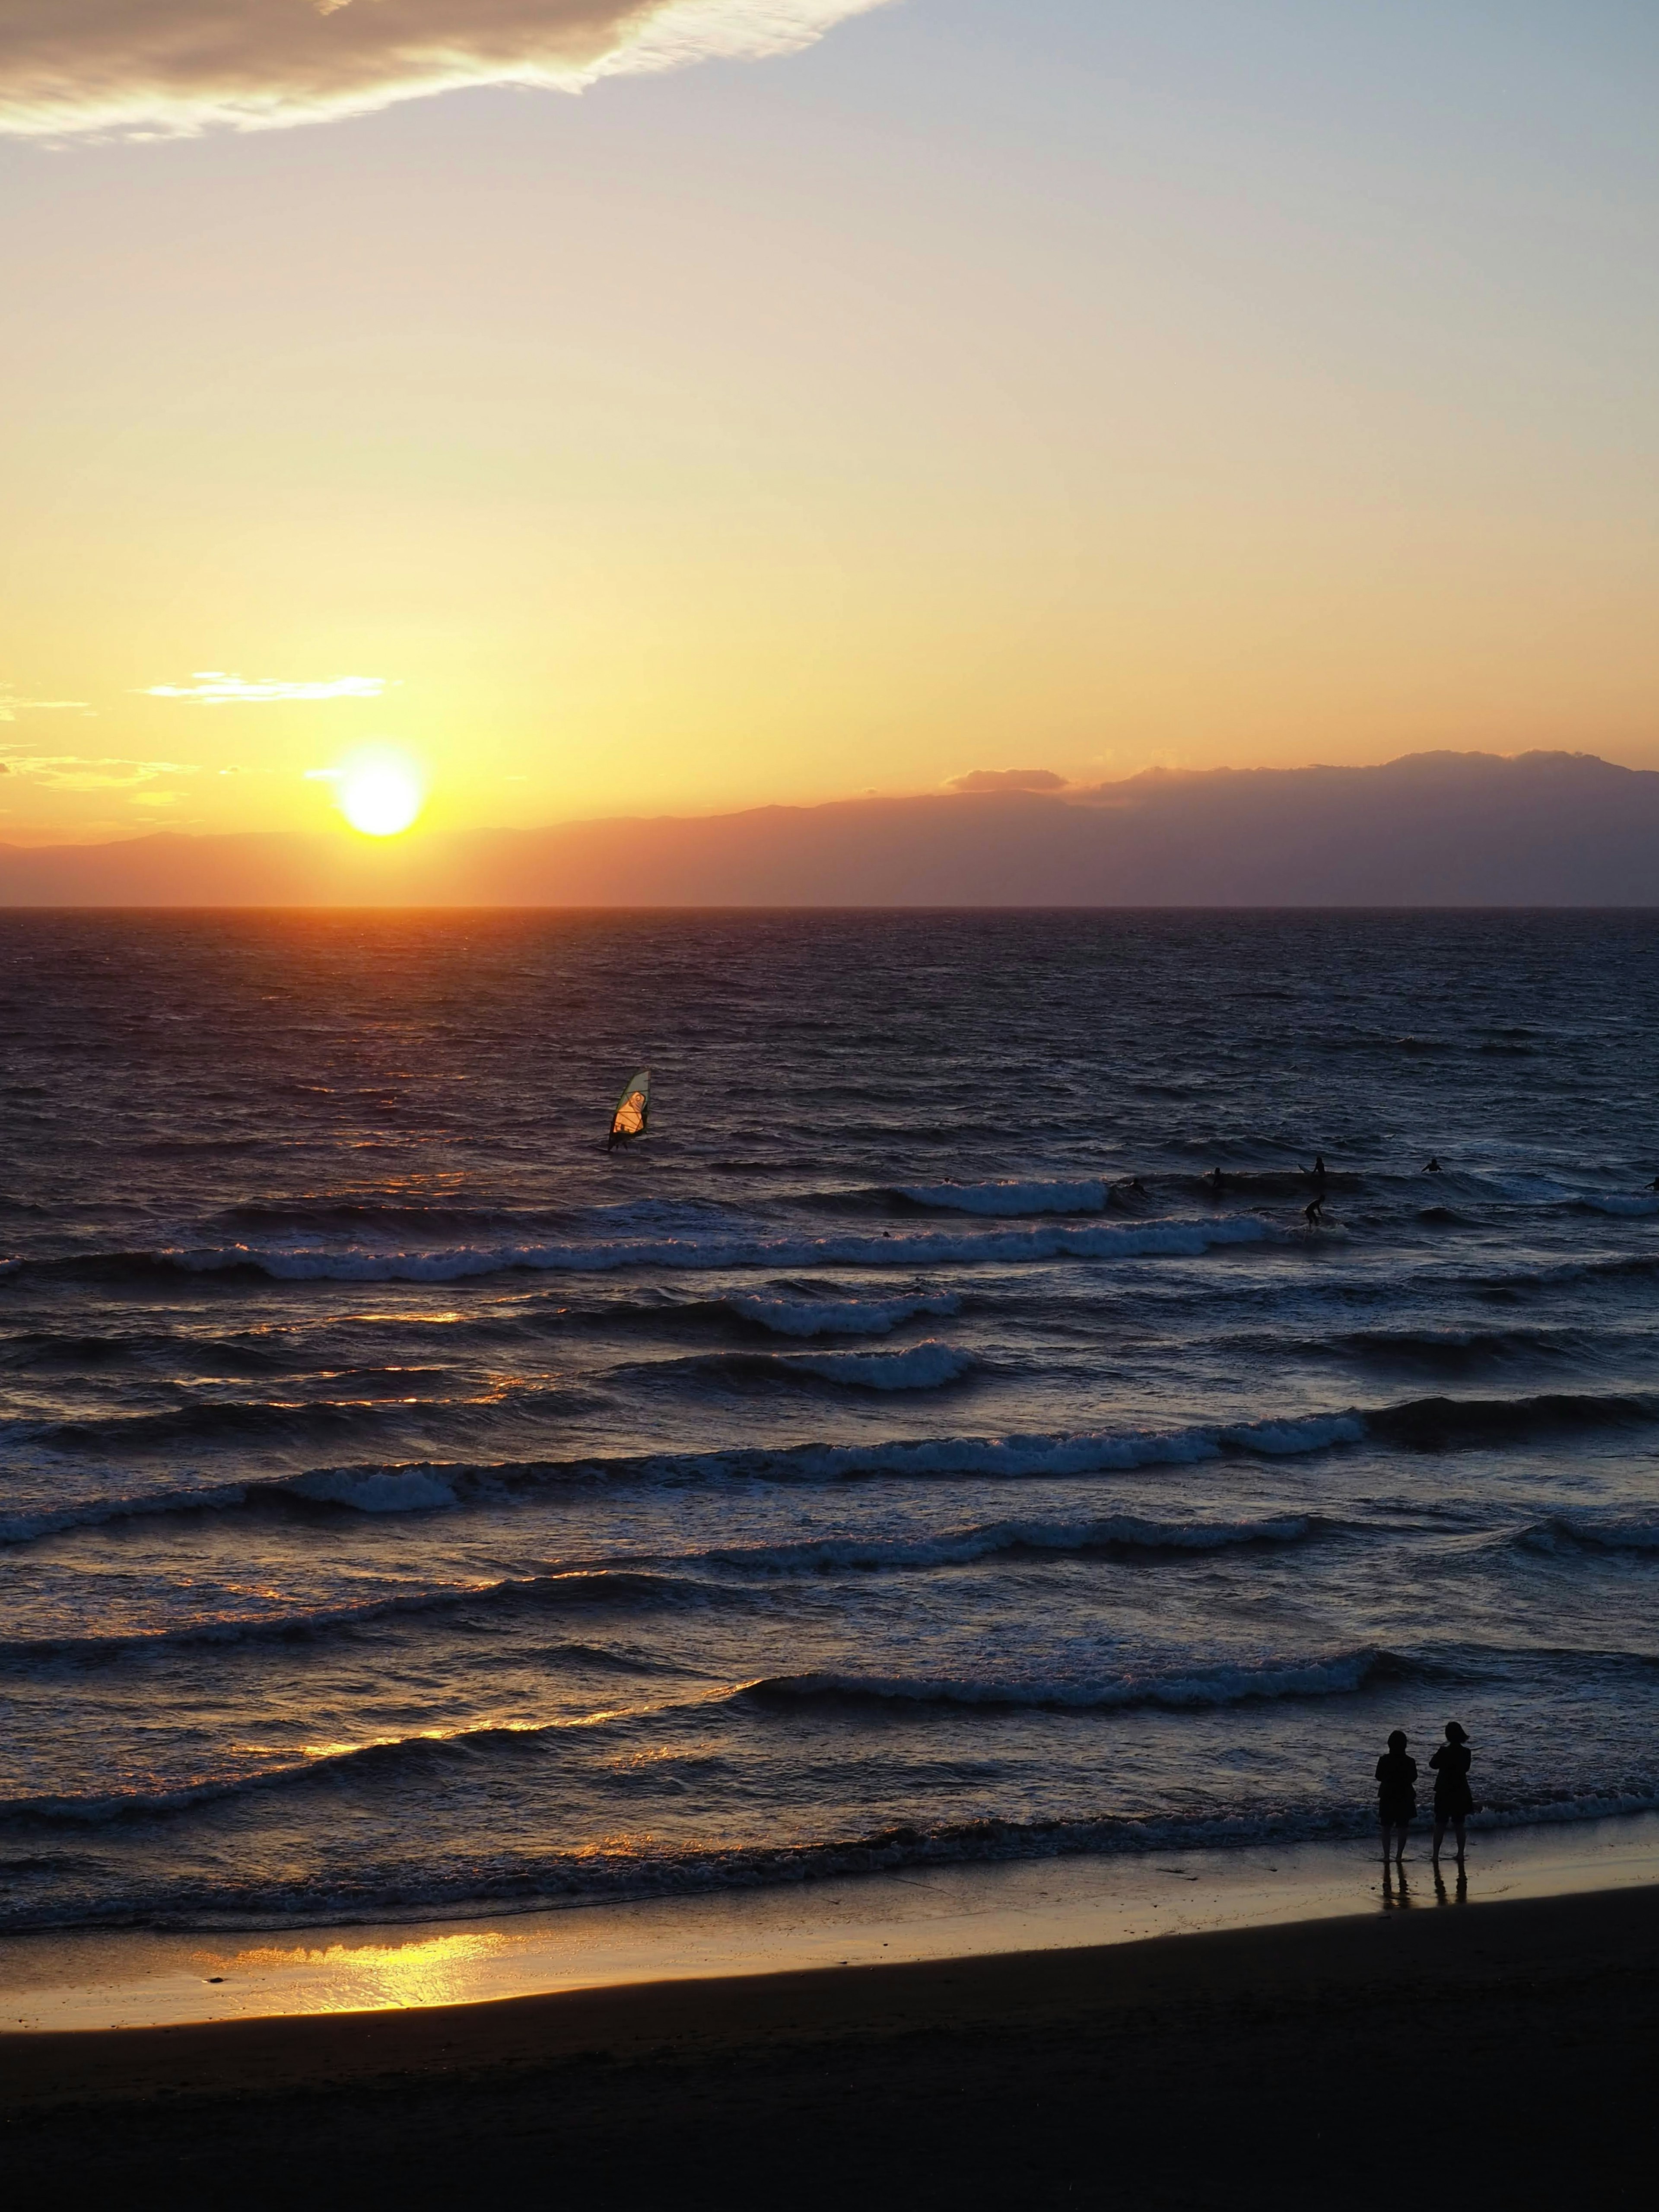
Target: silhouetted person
1453, 1799
1318, 1167
1396, 1793
1434, 1168
1654, 1185
1213, 1179
1314, 1214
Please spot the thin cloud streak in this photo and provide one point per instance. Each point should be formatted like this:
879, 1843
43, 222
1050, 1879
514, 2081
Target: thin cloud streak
11, 706
104, 772
173, 68
214, 687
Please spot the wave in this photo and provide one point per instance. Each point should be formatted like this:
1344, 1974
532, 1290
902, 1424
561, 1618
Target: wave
927, 1366
425, 1755
632, 1589
653, 1584
1184, 1689
1117, 1533
362, 1490
1007, 1198
1553, 1274
848, 1316
437, 1485
1423, 1424
909, 1249
1598, 1531
348, 1213
280, 1422
429, 1754
1455, 1348
1437, 1424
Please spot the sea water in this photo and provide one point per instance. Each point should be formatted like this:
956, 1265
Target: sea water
406, 1508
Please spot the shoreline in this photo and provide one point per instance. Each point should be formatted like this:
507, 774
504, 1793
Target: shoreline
1505, 2054
91, 1981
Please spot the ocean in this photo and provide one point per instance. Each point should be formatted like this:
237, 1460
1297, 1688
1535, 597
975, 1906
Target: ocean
408, 1510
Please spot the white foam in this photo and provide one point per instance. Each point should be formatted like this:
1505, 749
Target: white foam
804, 1317
920, 1367
379, 1490
911, 1248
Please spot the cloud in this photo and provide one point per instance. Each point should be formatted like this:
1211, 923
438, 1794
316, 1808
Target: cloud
11, 706
73, 772
1008, 779
171, 68
213, 688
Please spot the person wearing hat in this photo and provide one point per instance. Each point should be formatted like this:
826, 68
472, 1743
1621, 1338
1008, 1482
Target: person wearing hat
1453, 1802
1396, 1794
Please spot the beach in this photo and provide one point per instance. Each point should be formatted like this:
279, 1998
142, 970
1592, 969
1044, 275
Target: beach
1505, 2052
841, 1651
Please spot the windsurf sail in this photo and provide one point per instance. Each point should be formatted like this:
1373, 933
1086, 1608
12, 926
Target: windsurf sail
633, 1110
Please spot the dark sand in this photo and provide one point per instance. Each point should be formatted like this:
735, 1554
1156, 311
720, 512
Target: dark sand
1504, 2054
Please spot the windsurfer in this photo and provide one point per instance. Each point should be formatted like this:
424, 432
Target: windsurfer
632, 1110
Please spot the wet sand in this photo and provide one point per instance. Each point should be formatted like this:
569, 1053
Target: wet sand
1505, 2052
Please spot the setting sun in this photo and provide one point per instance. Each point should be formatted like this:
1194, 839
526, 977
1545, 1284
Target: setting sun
380, 795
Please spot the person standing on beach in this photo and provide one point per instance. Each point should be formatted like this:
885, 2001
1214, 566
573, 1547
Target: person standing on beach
1396, 1794
1453, 1802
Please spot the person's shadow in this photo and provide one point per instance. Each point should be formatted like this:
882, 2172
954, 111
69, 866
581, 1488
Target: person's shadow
1396, 1895
1460, 1895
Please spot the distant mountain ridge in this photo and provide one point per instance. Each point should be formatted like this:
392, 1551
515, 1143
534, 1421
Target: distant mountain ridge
1439, 829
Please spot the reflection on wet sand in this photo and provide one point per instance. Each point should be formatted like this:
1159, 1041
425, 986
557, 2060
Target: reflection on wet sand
351, 1976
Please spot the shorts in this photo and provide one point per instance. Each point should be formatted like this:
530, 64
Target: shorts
1396, 1811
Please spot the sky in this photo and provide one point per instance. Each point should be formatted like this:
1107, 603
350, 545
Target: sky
776, 400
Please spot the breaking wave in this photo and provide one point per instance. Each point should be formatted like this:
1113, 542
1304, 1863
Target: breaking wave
848, 1316
909, 1249
436, 1485
1423, 1424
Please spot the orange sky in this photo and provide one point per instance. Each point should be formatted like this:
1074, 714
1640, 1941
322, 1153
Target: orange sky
1076, 385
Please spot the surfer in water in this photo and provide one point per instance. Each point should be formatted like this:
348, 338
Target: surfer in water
1434, 1168
1313, 1215
1214, 1179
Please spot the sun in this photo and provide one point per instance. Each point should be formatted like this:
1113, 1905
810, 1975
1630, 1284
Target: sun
380, 793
